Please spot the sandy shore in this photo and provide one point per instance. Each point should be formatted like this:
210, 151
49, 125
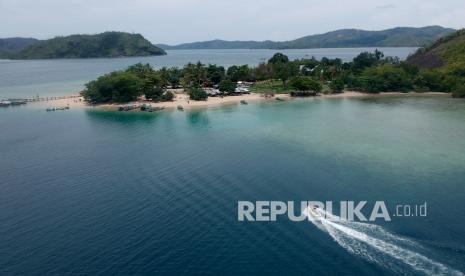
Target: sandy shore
183, 100
71, 102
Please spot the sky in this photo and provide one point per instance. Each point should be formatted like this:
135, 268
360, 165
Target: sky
178, 21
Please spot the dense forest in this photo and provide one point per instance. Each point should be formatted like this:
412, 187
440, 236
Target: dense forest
108, 44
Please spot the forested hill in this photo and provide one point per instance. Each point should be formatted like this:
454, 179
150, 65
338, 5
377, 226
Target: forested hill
447, 52
108, 44
396, 37
15, 44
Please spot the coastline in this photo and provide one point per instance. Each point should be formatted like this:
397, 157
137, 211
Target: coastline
182, 100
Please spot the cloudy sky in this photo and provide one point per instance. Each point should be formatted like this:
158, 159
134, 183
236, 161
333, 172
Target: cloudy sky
176, 21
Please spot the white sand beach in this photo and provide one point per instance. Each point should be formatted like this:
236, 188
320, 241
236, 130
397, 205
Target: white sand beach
182, 99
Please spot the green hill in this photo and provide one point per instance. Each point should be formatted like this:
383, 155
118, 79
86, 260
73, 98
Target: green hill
448, 51
12, 45
396, 37
108, 44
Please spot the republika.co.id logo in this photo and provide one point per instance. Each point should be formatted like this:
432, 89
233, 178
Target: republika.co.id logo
317, 210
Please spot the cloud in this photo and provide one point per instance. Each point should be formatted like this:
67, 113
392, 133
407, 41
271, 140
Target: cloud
177, 21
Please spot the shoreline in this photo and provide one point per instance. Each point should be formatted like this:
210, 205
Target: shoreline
182, 99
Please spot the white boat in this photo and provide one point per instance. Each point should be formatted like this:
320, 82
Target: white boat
314, 213
5, 103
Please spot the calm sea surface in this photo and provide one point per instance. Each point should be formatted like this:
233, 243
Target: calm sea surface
28, 78
90, 192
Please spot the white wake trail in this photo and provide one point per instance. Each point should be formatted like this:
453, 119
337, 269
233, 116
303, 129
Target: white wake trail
377, 245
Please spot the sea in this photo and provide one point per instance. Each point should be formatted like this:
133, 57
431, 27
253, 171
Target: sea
92, 192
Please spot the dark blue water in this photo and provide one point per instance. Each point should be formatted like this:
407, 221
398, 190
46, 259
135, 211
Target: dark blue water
91, 192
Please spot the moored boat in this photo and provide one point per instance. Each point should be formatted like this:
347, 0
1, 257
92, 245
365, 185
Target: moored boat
57, 108
17, 101
5, 103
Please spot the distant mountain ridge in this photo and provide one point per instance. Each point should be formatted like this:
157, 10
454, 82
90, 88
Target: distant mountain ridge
395, 37
108, 44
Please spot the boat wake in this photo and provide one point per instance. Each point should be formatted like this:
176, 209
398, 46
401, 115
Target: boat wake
375, 244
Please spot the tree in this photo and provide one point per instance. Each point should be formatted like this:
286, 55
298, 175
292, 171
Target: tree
285, 71
263, 71
163, 75
385, 78
197, 94
308, 66
118, 86
432, 80
459, 91
174, 77
194, 75
215, 74
167, 96
278, 58
337, 85
140, 70
227, 86
366, 59
238, 73
154, 93
305, 84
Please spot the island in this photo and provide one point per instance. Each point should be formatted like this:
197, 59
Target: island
369, 72
103, 45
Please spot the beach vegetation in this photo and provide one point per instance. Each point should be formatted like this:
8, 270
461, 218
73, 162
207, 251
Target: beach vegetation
337, 85
304, 86
197, 94
239, 73
459, 91
167, 96
285, 71
215, 74
118, 86
227, 86
173, 77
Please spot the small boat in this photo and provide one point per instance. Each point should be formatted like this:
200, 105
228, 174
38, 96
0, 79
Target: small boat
17, 101
314, 213
145, 107
128, 107
180, 108
244, 102
57, 108
5, 103
279, 99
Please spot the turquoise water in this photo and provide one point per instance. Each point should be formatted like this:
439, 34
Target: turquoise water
91, 192
28, 78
